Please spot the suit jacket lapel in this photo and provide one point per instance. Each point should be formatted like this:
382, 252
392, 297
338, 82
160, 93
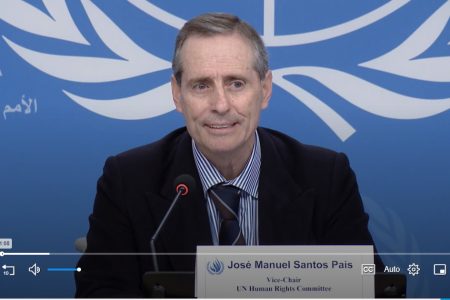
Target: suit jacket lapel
285, 207
188, 225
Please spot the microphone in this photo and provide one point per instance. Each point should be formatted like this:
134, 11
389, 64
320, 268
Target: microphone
183, 184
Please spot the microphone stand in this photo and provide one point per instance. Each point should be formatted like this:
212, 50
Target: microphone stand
181, 190
170, 284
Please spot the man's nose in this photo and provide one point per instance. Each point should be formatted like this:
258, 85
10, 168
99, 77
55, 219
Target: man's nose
221, 101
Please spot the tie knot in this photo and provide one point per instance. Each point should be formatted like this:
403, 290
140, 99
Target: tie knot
226, 199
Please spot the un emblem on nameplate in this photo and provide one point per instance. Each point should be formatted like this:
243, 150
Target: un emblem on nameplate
215, 267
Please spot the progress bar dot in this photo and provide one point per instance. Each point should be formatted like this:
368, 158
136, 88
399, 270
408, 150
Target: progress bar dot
78, 269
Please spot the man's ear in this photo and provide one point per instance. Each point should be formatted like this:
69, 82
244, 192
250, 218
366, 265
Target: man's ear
267, 89
176, 93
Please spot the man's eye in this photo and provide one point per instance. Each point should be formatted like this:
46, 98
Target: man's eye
237, 84
200, 86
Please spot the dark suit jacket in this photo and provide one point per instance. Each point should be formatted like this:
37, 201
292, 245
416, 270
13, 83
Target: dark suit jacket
307, 195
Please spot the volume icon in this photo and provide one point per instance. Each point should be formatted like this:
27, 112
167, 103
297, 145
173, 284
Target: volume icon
34, 269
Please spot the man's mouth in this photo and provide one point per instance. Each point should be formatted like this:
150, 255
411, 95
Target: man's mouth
220, 126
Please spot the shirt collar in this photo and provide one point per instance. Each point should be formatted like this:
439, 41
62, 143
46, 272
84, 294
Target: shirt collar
247, 180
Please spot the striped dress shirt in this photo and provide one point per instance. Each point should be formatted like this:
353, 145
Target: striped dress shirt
247, 181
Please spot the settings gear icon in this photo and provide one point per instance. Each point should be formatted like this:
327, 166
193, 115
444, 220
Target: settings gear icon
413, 269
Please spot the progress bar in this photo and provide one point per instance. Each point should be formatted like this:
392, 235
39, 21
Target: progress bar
64, 269
24, 253
220, 253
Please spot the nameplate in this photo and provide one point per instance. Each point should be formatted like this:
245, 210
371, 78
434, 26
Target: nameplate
285, 272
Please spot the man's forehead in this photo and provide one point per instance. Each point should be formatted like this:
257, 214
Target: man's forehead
227, 42
208, 56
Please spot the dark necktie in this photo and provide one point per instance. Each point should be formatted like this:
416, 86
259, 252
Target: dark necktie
226, 199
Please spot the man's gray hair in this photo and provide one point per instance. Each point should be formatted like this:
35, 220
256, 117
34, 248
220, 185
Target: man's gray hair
213, 24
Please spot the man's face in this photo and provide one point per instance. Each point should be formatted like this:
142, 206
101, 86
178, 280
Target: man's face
221, 94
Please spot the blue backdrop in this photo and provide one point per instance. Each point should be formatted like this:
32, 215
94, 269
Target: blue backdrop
82, 80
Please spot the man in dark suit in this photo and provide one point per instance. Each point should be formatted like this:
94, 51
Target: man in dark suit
289, 193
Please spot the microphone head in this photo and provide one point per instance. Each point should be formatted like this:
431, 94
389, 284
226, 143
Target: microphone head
186, 183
